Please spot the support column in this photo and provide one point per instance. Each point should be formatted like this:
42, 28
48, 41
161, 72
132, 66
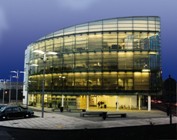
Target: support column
67, 102
32, 97
117, 104
139, 103
149, 103
62, 101
27, 98
130, 103
87, 102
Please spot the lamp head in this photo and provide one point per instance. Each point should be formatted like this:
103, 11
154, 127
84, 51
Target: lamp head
13, 71
38, 51
52, 53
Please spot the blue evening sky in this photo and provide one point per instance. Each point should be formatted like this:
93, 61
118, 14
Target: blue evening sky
25, 21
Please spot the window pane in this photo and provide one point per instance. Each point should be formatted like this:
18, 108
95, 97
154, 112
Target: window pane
58, 44
68, 62
81, 81
95, 61
82, 28
110, 24
110, 81
110, 41
95, 81
95, 26
70, 30
125, 60
81, 62
81, 43
95, 42
141, 61
58, 33
110, 61
141, 81
69, 43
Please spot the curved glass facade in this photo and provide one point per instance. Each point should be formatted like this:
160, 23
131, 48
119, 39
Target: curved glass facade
119, 56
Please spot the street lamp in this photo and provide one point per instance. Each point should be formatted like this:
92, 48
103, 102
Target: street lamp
17, 77
44, 53
10, 89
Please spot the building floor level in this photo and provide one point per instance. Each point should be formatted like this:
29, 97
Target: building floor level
129, 102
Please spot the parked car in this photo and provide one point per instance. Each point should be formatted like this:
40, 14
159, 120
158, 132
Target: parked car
9, 112
2, 105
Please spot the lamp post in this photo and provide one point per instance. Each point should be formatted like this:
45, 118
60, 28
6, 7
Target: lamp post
44, 53
17, 77
10, 89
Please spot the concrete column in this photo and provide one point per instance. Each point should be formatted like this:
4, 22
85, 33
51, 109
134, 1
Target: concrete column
117, 104
62, 101
67, 102
32, 97
149, 103
139, 103
130, 103
87, 102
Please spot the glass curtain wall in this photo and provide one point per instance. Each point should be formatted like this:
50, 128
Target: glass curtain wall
112, 55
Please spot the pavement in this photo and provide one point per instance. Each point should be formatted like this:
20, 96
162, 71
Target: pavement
56, 120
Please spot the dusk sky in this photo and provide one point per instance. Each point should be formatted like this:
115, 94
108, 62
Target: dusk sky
25, 21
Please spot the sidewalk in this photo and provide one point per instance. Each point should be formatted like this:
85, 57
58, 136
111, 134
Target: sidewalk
66, 120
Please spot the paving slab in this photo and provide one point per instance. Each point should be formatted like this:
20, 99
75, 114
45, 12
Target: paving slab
67, 121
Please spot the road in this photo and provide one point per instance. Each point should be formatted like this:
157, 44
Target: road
134, 132
4, 135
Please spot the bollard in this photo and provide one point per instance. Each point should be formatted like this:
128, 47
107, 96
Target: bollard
104, 115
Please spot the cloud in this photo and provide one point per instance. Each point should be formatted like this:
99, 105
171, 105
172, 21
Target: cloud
3, 23
77, 4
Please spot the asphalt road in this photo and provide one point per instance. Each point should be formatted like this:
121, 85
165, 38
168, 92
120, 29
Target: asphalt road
150, 132
4, 135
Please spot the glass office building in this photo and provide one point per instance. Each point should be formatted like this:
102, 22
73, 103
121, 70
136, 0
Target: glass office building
112, 61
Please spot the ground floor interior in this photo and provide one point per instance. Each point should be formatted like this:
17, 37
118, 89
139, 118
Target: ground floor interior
92, 101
